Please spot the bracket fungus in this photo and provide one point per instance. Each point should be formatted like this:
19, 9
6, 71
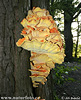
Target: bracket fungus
43, 39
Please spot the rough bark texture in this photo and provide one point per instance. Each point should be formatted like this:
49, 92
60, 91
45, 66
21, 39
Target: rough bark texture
14, 61
44, 91
40, 3
68, 37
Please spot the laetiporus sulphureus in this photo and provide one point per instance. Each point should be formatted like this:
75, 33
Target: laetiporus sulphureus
43, 39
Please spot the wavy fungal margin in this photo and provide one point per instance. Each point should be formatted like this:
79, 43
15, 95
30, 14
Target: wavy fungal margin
43, 39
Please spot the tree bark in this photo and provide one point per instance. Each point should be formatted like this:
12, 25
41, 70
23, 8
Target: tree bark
14, 61
40, 3
68, 37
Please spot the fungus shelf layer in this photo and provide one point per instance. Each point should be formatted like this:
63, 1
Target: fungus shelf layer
43, 39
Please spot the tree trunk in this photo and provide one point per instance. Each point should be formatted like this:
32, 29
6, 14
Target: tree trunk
77, 40
44, 91
14, 61
76, 45
68, 37
40, 3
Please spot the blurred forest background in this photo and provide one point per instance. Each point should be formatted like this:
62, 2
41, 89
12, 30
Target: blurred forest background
67, 14
63, 81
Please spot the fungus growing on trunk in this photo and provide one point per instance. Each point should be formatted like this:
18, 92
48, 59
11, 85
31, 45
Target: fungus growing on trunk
43, 39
